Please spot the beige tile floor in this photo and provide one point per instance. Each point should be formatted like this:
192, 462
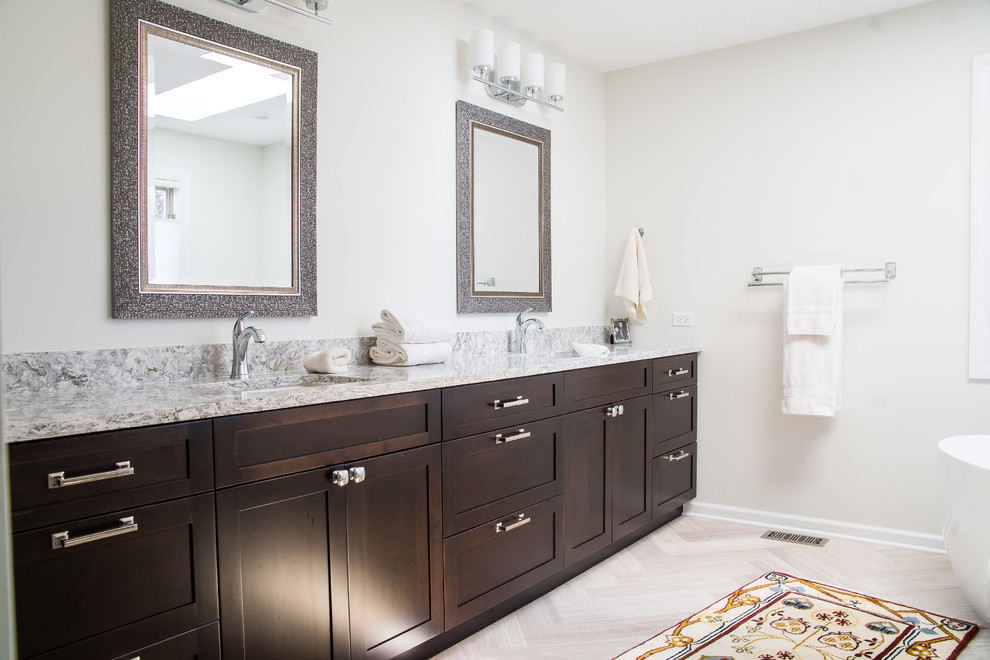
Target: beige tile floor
689, 564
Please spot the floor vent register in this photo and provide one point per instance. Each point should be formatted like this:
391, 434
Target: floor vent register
790, 537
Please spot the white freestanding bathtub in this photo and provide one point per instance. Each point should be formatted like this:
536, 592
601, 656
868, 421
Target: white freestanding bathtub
964, 484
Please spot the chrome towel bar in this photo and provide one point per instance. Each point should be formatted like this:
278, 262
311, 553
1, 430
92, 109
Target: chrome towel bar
888, 273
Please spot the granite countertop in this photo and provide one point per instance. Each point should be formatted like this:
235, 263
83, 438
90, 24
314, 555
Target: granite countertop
34, 415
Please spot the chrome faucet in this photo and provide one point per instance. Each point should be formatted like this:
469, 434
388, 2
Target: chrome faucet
241, 337
520, 333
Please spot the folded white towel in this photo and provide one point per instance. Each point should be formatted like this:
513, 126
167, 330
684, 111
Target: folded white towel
634, 285
412, 328
406, 355
332, 361
813, 362
589, 350
812, 299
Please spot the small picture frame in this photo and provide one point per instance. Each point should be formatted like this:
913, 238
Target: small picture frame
620, 331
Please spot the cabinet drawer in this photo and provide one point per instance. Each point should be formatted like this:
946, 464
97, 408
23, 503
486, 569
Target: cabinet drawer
278, 442
490, 475
675, 477
86, 475
674, 371
200, 644
471, 409
490, 563
675, 416
597, 386
122, 581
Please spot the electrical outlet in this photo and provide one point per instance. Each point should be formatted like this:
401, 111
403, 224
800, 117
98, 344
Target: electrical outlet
684, 319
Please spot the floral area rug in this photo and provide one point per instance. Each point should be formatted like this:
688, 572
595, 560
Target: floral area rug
781, 617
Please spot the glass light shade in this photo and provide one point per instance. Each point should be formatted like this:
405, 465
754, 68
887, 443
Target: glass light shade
556, 81
532, 71
508, 61
482, 52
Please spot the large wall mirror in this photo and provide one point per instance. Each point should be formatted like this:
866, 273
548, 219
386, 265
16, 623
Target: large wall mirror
213, 177
503, 213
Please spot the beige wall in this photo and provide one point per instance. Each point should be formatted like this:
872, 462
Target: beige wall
390, 73
847, 144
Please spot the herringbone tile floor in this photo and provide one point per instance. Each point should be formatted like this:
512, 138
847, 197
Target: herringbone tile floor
689, 564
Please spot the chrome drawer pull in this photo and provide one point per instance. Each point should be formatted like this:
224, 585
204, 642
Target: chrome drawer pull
680, 456
679, 372
518, 401
61, 539
58, 479
522, 435
679, 395
520, 520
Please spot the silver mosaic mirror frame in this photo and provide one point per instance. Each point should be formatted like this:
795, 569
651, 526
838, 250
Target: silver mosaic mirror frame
466, 302
128, 301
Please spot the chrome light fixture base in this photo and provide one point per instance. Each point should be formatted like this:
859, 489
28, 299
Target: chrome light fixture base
510, 91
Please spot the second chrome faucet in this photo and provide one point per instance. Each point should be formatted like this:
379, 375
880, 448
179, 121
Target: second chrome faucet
241, 336
520, 333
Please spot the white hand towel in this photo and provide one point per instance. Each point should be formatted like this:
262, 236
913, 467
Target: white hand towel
634, 285
589, 350
813, 299
813, 362
412, 328
332, 361
406, 355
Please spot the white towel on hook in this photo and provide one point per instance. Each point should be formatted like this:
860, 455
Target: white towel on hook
634, 285
412, 328
812, 376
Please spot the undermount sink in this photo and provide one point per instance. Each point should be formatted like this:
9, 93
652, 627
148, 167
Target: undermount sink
536, 358
272, 382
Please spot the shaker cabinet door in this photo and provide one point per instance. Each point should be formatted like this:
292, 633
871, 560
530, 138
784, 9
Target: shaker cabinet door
277, 543
395, 566
631, 468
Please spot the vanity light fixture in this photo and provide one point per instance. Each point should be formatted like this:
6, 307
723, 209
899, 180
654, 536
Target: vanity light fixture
255, 6
515, 81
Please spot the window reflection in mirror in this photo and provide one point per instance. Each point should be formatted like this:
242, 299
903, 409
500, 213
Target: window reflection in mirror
218, 129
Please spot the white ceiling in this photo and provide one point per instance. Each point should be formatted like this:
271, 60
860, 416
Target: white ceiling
617, 34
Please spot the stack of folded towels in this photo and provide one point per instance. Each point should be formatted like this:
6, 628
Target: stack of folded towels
411, 338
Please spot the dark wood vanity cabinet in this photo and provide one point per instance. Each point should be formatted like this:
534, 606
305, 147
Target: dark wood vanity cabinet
370, 528
101, 568
342, 561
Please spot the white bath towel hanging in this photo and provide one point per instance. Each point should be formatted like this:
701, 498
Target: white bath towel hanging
634, 285
813, 341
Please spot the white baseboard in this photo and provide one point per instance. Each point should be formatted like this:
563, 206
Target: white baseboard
818, 526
